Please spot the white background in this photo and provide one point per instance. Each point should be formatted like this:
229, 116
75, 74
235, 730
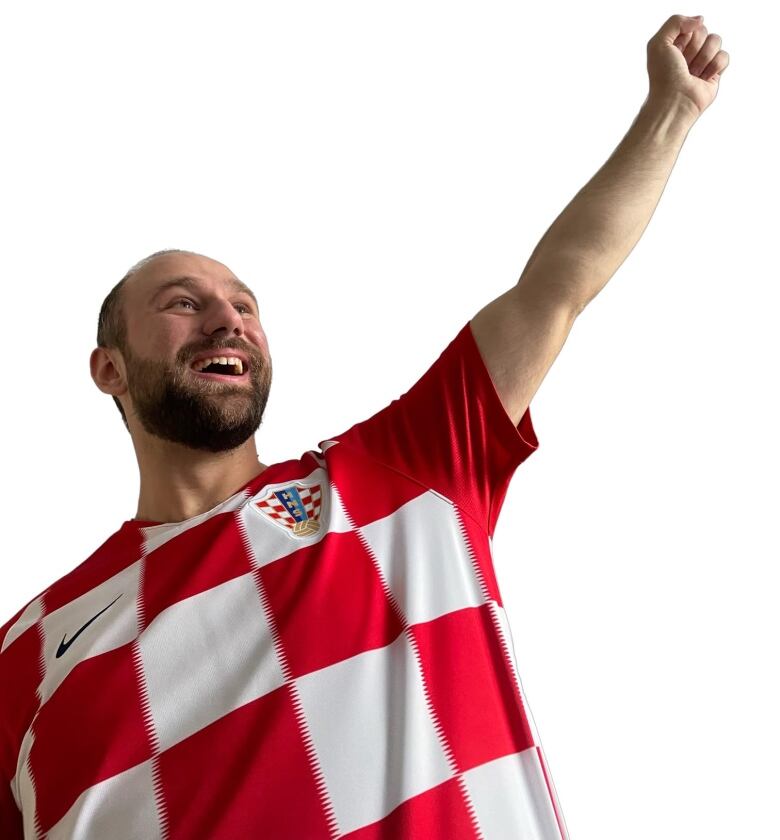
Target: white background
378, 173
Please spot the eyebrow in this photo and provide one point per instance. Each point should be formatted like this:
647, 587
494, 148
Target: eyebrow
193, 284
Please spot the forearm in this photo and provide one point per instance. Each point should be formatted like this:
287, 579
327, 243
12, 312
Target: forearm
599, 227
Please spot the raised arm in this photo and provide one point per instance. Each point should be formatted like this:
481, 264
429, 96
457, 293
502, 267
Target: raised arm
520, 333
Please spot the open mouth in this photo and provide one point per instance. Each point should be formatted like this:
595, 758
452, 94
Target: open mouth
229, 368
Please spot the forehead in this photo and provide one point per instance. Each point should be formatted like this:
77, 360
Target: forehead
187, 269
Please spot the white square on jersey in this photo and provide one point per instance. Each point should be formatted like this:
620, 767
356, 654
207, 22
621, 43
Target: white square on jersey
364, 755
510, 796
422, 553
197, 651
78, 625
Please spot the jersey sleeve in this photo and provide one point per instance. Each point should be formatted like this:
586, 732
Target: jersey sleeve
11, 825
451, 433
11, 821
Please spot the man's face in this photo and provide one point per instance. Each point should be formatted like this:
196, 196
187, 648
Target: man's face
169, 327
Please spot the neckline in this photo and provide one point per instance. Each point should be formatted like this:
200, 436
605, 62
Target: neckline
250, 488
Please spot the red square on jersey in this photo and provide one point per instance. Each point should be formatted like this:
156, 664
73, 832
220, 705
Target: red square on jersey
439, 812
91, 728
329, 603
193, 561
468, 680
245, 775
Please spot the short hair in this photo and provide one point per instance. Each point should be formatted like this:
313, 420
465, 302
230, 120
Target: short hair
112, 326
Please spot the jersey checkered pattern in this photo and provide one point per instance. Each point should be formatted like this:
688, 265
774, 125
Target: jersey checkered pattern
323, 655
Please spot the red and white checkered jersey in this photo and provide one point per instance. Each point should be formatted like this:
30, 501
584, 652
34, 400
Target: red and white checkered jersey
323, 655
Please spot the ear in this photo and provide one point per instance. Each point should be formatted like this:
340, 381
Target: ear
108, 371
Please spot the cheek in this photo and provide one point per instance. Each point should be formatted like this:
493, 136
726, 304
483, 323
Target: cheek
166, 342
162, 339
258, 337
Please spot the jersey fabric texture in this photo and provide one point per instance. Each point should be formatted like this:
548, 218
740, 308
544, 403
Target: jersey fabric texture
323, 655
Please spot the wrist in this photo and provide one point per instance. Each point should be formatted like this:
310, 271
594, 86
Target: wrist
662, 122
676, 108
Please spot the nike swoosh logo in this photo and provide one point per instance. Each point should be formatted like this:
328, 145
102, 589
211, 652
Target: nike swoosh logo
65, 645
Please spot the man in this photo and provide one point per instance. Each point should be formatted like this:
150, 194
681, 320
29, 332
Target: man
315, 648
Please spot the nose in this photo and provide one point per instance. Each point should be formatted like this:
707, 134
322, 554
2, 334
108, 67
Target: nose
222, 315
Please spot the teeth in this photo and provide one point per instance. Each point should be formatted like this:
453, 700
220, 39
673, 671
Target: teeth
222, 360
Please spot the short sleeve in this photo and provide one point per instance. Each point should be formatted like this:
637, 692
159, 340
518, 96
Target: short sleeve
12, 723
11, 822
450, 432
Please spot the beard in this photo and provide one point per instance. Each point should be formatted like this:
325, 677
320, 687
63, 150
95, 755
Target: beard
173, 403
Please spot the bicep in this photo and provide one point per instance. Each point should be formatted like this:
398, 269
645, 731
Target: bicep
519, 336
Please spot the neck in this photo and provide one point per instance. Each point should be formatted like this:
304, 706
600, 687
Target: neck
178, 482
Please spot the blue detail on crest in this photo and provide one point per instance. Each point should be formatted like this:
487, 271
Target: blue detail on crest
291, 500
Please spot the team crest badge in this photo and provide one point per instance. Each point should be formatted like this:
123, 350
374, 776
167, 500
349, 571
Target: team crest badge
296, 507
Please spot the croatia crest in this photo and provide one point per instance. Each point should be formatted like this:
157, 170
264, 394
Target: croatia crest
296, 507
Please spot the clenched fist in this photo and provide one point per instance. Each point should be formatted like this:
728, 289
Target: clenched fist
685, 62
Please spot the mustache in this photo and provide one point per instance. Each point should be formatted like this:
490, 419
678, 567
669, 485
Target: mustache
252, 353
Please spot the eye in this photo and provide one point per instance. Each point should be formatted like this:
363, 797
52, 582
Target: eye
184, 300
246, 309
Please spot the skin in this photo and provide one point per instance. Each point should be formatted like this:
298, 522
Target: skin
521, 332
193, 437
576, 257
